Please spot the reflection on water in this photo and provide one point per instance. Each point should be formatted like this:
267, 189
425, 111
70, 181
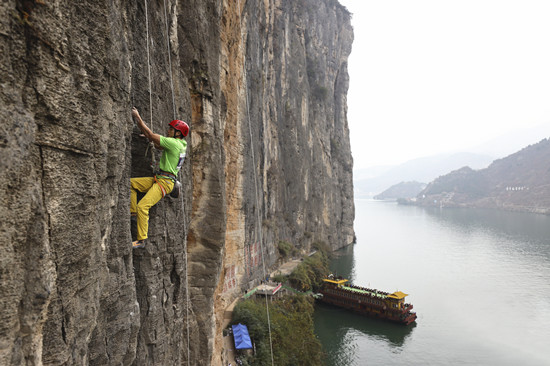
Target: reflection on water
342, 263
332, 316
530, 231
339, 329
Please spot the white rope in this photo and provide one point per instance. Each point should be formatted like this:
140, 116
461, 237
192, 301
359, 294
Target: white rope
150, 89
169, 60
187, 299
148, 65
258, 219
181, 193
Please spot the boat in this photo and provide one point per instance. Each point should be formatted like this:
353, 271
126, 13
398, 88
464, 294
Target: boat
378, 304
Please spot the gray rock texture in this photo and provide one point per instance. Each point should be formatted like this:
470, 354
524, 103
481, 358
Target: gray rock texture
263, 85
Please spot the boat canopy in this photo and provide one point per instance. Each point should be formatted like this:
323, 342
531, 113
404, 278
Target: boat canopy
398, 295
338, 282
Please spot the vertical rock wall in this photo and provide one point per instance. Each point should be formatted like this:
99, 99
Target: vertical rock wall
66, 163
264, 78
288, 158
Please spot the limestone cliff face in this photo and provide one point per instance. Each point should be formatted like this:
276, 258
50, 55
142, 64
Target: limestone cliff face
263, 85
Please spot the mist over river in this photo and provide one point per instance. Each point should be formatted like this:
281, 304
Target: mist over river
479, 281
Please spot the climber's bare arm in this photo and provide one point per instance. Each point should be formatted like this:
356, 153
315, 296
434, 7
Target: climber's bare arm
150, 135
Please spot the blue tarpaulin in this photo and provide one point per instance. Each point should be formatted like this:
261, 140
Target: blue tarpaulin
241, 336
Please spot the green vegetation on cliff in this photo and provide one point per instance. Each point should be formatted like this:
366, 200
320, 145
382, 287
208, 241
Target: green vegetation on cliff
286, 249
291, 317
310, 273
293, 338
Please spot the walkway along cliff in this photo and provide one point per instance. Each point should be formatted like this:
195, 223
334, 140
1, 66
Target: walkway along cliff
263, 86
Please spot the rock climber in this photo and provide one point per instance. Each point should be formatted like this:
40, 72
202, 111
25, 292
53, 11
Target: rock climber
173, 148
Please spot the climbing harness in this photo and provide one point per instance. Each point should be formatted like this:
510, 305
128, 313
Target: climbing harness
163, 190
175, 193
164, 174
258, 207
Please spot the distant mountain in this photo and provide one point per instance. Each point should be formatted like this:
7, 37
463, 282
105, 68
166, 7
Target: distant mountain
512, 141
372, 172
519, 182
401, 190
367, 183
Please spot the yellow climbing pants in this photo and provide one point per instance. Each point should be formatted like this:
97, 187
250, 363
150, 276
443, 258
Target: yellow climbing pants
155, 191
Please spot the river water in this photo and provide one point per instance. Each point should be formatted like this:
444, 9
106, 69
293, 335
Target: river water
479, 281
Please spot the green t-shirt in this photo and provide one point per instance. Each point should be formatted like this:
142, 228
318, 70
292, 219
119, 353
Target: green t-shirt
173, 154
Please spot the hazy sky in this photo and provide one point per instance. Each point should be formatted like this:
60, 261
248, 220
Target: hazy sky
433, 76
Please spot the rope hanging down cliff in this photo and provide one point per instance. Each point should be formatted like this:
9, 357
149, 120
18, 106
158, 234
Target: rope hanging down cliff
188, 301
165, 181
258, 219
173, 155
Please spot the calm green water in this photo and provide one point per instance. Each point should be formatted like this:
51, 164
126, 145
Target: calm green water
479, 281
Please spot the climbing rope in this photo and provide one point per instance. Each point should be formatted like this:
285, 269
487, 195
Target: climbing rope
188, 300
169, 60
149, 66
258, 219
150, 88
152, 155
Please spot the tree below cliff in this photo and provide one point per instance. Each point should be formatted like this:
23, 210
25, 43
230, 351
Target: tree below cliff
293, 338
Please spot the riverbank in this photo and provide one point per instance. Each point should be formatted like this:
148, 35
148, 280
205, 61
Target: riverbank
290, 329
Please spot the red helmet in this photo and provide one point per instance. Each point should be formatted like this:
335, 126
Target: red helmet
180, 126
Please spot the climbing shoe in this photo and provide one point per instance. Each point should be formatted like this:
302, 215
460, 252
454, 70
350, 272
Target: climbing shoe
138, 244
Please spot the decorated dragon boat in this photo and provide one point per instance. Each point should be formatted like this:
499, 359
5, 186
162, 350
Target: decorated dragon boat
378, 304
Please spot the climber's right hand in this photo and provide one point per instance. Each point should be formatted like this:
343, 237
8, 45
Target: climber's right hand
135, 113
